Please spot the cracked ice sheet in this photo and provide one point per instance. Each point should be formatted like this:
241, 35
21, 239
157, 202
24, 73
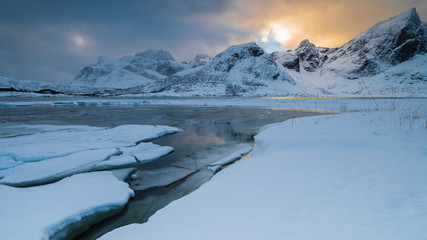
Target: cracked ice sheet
42, 211
351, 176
64, 141
50, 170
18, 173
145, 152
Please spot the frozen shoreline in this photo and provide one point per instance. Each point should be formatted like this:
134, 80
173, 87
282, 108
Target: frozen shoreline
330, 105
346, 176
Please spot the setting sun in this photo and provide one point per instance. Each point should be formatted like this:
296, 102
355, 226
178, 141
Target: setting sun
276, 32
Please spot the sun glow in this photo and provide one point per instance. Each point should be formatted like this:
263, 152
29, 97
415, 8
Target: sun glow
276, 32
79, 41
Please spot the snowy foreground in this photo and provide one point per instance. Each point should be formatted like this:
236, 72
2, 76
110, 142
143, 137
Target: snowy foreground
349, 176
64, 158
54, 211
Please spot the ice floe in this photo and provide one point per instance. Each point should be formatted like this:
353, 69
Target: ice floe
50, 170
144, 152
115, 162
50, 144
59, 209
47, 153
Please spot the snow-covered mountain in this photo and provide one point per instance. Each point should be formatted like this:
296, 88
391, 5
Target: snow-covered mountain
389, 59
386, 44
15, 85
238, 70
141, 69
199, 60
386, 60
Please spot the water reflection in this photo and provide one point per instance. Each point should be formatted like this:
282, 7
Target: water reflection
206, 132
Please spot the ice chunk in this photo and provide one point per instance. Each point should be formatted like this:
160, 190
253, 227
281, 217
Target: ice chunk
146, 151
123, 173
116, 162
60, 209
35, 173
44, 145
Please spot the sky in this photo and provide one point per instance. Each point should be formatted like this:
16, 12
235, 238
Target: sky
51, 40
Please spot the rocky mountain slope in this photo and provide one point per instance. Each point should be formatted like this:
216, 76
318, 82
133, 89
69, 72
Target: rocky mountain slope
386, 44
238, 70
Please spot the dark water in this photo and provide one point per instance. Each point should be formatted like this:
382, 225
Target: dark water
205, 131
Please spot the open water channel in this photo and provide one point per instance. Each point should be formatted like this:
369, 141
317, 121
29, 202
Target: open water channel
207, 133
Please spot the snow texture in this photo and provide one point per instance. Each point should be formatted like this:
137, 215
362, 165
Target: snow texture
348, 176
54, 211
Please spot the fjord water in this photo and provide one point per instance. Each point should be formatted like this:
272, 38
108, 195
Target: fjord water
205, 132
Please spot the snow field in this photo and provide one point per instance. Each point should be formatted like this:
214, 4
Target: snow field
347, 176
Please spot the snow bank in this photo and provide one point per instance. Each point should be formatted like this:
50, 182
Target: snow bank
350, 176
57, 210
233, 157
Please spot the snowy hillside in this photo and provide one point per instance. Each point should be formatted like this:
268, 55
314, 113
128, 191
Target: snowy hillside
12, 84
141, 69
199, 60
238, 70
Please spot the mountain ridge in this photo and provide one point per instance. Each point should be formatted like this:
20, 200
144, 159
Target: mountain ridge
389, 56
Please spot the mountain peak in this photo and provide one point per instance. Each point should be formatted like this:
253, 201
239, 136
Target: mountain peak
387, 43
410, 15
236, 53
159, 54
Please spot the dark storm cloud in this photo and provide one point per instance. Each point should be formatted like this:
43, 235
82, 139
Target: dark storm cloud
51, 40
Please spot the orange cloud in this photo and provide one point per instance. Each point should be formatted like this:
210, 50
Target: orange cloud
328, 23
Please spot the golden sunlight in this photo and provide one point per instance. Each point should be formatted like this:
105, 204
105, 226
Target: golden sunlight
277, 32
